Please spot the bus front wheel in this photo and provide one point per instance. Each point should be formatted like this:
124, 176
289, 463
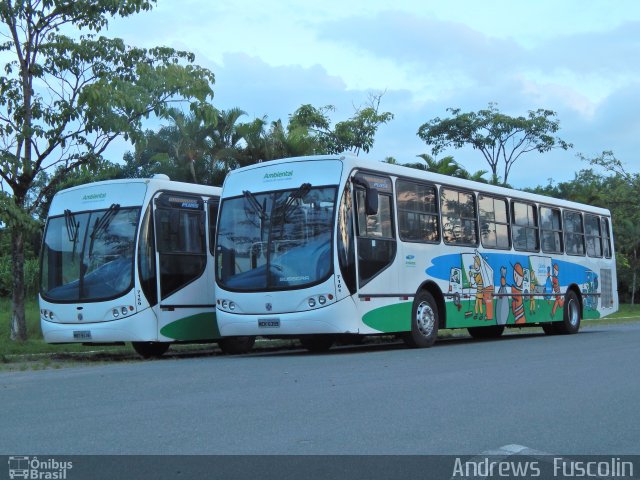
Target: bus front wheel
236, 345
150, 349
317, 343
424, 322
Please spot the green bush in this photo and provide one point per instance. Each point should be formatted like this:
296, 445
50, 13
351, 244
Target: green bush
31, 276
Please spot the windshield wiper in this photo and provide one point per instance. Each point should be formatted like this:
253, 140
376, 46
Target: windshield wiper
289, 204
253, 202
102, 223
72, 231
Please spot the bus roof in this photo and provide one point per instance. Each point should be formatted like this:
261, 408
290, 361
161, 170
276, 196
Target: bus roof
126, 192
351, 162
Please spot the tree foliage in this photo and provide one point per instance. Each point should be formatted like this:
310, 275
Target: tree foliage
616, 189
499, 137
64, 99
354, 135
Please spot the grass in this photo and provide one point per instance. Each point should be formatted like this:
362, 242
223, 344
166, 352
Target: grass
36, 354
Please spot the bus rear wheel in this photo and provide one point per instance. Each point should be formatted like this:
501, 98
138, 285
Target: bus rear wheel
571, 315
236, 345
424, 322
150, 349
492, 331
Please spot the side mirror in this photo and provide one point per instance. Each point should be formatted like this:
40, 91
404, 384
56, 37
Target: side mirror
370, 196
370, 200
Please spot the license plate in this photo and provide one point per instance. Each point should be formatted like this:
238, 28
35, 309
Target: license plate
269, 322
82, 334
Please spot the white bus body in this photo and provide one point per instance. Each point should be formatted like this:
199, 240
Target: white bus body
303, 250
130, 261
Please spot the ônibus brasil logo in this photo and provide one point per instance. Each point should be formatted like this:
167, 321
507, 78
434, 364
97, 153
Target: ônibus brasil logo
283, 175
34, 468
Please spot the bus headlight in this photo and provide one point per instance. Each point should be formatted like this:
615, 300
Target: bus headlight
228, 305
322, 300
312, 302
115, 313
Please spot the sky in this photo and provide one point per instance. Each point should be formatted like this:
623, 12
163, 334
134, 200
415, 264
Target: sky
579, 58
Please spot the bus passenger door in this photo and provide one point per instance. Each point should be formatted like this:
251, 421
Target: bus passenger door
186, 290
376, 252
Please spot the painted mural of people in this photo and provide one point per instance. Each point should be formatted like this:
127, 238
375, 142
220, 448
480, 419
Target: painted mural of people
556, 290
532, 298
517, 304
548, 286
502, 305
476, 279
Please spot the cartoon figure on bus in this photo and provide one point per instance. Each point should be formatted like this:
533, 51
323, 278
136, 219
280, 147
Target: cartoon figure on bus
517, 304
559, 302
532, 298
502, 305
548, 286
475, 279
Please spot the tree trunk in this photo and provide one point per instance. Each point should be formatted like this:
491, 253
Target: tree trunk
18, 321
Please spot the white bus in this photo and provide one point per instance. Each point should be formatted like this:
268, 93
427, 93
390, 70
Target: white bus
318, 247
131, 261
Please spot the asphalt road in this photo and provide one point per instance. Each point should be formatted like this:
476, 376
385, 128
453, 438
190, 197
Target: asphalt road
574, 394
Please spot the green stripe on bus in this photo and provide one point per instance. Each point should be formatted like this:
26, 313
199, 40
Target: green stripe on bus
392, 318
201, 326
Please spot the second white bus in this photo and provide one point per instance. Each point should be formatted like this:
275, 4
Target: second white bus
132, 261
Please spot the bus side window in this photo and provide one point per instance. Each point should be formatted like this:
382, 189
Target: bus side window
606, 238
551, 230
573, 233
524, 226
459, 225
494, 222
593, 235
418, 219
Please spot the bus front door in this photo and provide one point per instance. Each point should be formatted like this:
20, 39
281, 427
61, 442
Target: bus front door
187, 306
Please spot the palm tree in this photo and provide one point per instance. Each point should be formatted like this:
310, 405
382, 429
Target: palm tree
189, 139
227, 138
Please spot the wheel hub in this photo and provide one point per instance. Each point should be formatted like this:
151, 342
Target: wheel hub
425, 319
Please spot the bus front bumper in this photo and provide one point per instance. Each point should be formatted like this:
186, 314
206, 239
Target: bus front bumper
339, 317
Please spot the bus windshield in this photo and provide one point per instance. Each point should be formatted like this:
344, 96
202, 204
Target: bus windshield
88, 256
275, 240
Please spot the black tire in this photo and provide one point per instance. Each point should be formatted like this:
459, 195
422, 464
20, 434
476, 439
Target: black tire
571, 315
491, 331
424, 322
317, 343
550, 328
150, 349
236, 345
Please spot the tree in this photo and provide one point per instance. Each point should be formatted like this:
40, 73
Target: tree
63, 101
355, 134
444, 166
499, 137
